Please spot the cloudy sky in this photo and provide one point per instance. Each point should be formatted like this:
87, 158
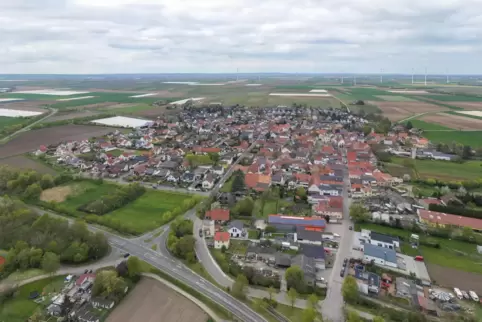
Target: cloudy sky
155, 36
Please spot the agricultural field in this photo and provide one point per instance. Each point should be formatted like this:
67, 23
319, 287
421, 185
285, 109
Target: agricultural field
450, 277
9, 121
397, 111
145, 213
427, 126
31, 140
472, 138
101, 97
153, 301
453, 121
20, 307
454, 98
22, 162
444, 170
395, 98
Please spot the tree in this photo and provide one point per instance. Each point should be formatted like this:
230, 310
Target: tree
50, 262
244, 207
292, 296
309, 315
350, 289
107, 283
409, 125
33, 191
313, 301
295, 277
271, 291
378, 319
214, 158
239, 286
301, 193
466, 152
47, 181
359, 213
133, 266
353, 316
238, 181
367, 129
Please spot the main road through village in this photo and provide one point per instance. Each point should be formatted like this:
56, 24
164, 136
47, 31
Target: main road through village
332, 306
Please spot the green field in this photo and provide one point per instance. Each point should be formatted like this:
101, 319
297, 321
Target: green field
449, 254
20, 308
419, 124
84, 192
472, 138
9, 121
101, 97
395, 98
454, 98
444, 170
145, 213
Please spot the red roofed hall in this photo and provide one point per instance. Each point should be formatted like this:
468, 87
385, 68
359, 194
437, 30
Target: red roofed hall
434, 218
217, 214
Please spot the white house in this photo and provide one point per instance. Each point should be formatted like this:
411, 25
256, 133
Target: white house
236, 229
380, 240
208, 182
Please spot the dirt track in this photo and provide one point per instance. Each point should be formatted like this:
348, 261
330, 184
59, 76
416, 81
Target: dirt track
151, 301
450, 278
396, 111
454, 121
32, 140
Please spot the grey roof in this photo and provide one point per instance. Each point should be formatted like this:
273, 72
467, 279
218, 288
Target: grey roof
313, 251
283, 259
383, 238
389, 255
307, 265
310, 235
331, 178
237, 224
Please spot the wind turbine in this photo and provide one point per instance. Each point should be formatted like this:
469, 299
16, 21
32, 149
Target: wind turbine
381, 75
412, 76
425, 76
447, 72
354, 80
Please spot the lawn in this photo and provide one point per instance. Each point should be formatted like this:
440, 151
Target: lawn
270, 207
427, 126
145, 213
472, 138
294, 314
84, 192
445, 170
227, 185
20, 308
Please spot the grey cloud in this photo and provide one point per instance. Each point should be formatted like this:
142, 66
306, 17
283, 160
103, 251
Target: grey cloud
211, 35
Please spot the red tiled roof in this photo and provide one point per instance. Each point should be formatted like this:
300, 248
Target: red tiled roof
2, 260
83, 277
221, 236
449, 219
432, 201
218, 214
302, 177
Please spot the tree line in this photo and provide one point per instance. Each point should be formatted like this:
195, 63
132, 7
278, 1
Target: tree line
43, 242
180, 241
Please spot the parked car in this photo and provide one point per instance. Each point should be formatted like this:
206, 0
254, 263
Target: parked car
465, 295
345, 261
200, 232
126, 255
419, 258
342, 272
473, 296
351, 227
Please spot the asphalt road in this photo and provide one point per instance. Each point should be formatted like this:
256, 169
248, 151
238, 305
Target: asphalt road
333, 304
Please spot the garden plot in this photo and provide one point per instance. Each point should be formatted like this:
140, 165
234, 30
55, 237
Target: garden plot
301, 94
17, 113
122, 121
7, 100
74, 98
52, 92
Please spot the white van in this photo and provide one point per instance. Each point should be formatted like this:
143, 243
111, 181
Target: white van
458, 293
473, 296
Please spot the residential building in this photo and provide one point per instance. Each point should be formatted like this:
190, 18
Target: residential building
221, 239
219, 215
236, 228
289, 223
306, 235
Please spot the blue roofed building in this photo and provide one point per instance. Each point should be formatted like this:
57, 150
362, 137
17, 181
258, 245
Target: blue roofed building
289, 223
380, 255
